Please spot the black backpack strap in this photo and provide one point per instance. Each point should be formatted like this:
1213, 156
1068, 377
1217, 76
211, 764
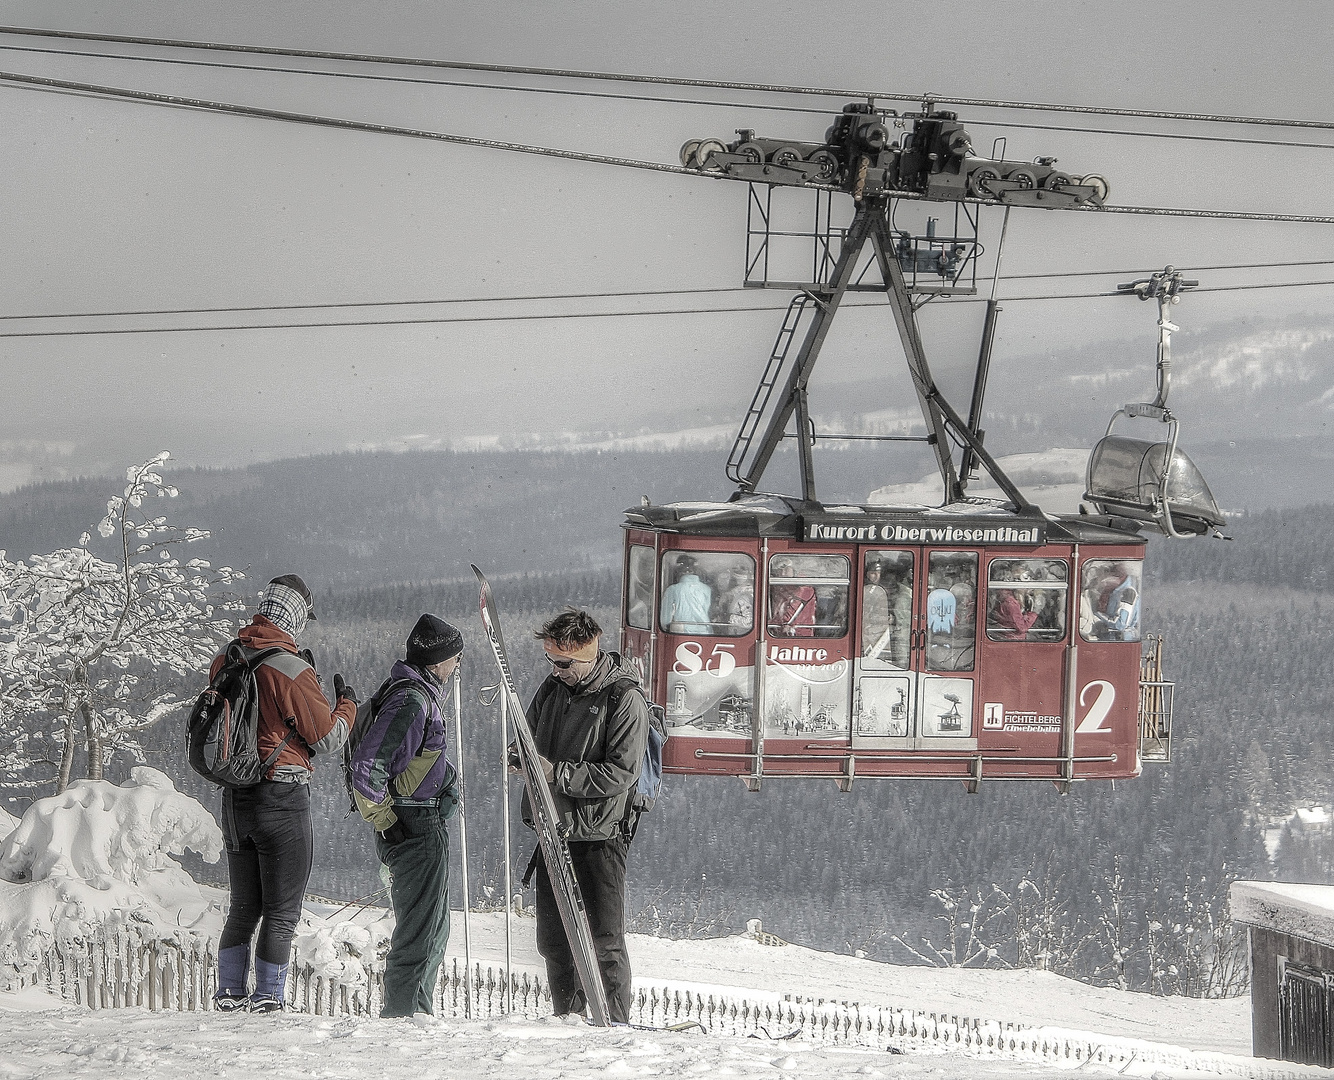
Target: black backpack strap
619, 689
386, 688
272, 758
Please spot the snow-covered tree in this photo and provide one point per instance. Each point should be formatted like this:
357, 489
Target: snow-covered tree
976, 926
1049, 935
79, 634
1115, 939
1193, 946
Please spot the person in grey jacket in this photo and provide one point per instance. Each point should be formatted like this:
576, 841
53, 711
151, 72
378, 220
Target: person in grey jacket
590, 724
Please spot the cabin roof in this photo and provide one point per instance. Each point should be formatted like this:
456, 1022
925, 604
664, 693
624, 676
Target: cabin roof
961, 522
1304, 911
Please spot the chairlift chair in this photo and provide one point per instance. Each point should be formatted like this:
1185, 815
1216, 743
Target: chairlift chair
1153, 482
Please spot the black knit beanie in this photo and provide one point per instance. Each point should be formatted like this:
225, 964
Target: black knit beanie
433, 640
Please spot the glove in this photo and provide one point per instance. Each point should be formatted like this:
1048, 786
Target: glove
548, 770
343, 690
395, 834
512, 758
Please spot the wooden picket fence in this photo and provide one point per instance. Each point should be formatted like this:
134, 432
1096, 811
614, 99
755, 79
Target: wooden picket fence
123, 970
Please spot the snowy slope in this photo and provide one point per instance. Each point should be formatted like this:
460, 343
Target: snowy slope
92, 859
38, 1043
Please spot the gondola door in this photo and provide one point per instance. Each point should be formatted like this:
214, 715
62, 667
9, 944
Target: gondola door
885, 696
1026, 609
915, 675
946, 710
705, 630
807, 676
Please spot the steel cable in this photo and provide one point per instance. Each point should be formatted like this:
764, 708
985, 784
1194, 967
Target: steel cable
658, 80
258, 112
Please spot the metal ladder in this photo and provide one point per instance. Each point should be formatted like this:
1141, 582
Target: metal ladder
759, 405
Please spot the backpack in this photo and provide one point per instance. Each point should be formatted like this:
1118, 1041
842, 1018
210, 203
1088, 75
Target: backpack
366, 711
222, 733
649, 785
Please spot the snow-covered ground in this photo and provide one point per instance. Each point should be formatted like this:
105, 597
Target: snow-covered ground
96, 857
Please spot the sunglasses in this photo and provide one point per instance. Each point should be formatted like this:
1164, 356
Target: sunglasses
562, 664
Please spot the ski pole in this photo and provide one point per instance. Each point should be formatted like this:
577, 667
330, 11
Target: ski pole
362, 901
463, 849
505, 831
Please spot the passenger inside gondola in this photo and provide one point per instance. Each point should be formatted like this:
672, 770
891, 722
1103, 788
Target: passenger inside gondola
686, 602
900, 615
887, 606
735, 613
875, 613
791, 606
1026, 600
951, 619
1109, 602
1013, 615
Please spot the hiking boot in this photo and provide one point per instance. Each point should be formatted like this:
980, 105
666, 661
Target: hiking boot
265, 1003
226, 1002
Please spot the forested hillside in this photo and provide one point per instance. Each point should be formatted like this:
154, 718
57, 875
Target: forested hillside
348, 520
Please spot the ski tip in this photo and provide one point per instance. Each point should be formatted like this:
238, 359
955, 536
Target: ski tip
480, 576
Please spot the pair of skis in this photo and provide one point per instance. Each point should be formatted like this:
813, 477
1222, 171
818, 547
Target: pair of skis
555, 851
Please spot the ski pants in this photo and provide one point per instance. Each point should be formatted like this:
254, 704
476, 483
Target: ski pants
270, 848
599, 867
419, 891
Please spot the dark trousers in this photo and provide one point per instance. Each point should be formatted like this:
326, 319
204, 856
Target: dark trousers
599, 867
419, 891
269, 853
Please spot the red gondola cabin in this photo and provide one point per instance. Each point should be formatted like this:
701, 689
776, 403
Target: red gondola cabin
967, 642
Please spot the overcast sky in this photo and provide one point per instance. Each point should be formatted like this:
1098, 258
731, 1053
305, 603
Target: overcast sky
117, 206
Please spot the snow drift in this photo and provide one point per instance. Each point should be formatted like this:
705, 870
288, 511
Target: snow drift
96, 859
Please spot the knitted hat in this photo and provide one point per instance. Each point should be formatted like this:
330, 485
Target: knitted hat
433, 640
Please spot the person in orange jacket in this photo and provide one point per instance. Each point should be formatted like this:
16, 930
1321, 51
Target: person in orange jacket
267, 827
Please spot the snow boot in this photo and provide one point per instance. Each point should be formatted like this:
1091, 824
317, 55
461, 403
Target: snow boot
233, 967
270, 987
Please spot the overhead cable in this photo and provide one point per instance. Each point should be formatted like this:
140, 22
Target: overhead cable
665, 81
973, 122
551, 316
121, 331
234, 309
417, 81
255, 111
177, 101
648, 98
619, 294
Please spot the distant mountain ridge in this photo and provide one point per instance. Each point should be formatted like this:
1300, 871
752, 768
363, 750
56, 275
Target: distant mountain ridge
366, 519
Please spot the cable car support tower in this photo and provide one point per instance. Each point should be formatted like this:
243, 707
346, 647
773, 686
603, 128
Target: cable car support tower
934, 161
782, 393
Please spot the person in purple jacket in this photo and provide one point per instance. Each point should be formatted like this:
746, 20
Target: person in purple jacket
406, 788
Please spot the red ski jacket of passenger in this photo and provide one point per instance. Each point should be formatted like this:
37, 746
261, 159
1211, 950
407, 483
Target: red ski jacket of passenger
291, 704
